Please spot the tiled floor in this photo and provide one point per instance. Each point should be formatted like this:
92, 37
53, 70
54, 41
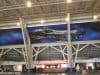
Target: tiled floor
89, 73
94, 73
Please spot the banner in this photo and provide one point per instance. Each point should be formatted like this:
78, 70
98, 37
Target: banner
48, 34
10, 36
52, 33
86, 31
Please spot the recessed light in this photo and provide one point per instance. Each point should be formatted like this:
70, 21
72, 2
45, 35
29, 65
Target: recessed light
29, 4
18, 24
69, 1
67, 19
42, 21
95, 17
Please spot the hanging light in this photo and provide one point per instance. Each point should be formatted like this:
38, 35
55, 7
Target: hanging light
29, 4
69, 1
95, 17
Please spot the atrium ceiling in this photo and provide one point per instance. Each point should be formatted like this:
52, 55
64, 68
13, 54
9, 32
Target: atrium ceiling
12, 10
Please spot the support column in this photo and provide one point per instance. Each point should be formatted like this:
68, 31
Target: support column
69, 47
1, 53
75, 58
27, 45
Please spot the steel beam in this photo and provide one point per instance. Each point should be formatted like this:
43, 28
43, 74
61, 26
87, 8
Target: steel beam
53, 21
24, 54
96, 45
48, 3
51, 44
18, 51
1, 53
69, 47
82, 48
75, 59
6, 51
62, 52
43, 49
27, 44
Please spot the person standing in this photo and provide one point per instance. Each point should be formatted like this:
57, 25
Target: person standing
84, 70
77, 69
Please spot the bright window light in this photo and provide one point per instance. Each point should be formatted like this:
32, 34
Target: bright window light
29, 4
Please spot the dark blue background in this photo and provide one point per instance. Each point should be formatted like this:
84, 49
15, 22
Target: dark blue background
10, 36
91, 29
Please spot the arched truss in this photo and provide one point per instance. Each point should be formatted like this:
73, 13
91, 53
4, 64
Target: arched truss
60, 47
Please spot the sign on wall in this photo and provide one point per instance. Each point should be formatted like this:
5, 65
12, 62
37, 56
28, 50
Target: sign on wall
52, 33
48, 34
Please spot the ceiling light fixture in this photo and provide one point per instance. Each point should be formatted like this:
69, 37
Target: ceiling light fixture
95, 17
67, 19
42, 21
29, 4
18, 24
69, 1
